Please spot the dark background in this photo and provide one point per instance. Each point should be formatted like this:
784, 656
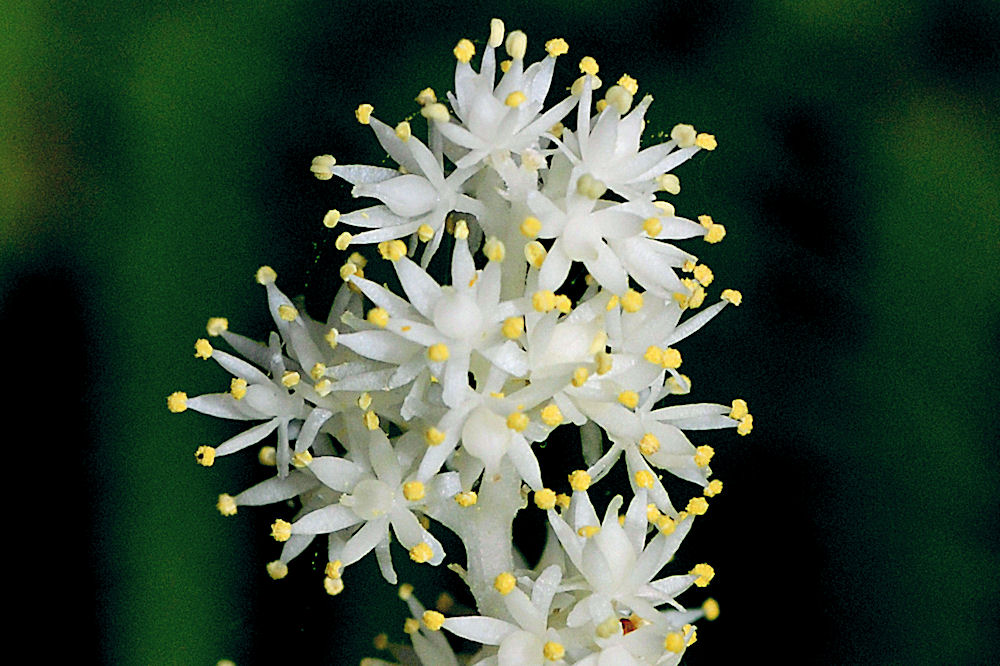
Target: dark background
154, 154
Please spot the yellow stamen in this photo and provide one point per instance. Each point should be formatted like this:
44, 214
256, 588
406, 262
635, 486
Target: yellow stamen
321, 166
277, 569
302, 459
697, 506
466, 498
411, 626
632, 301
531, 227
333, 586
433, 620
414, 491
426, 96
515, 99
504, 583
545, 499
494, 249
343, 240
216, 326
266, 275
714, 488
671, 358
287, 312
645, 479
281, 530
290, 378
517, 421
589, 66
437, 112
177, 402
629, 398
378, 316
649, 444
370, 419
746, 425
706, 141
496, 33
556, 47
392, 250
703, 455
364, 113
543, 301
652, 226
579, 480
710, 608
551, 415
226, 505
513, 327
438, 352
421, 553
580, 376
267, 456
205, 455
553, 651
464, 50
703, 274
674, 642
535, 253
732, 296
705, 574
684, 135
669, 183
403, 131
433, 436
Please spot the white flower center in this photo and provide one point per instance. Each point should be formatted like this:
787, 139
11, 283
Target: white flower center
372, 498
486, 436
456, 314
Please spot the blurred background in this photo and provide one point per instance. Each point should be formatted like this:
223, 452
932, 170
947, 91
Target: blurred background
154, 154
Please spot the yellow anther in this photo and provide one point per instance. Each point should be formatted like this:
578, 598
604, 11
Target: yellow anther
203, 348
365, 400
414, 491
433, 436
392, 250
205, 455
543, 301
321, 166
563, 501
589, 66
563, 303
545, 499
290, 378
317, 371
433, 620
684, 135
587, 531
745, 425
557, 130
739, 409
287, 312
590, 187
551, 415
494, 249
466, 498
703, 455
333, 586
517, 421
277, 569
579, 480
266, 275
515, 99
714, 488
505, 65
217, 326
556, 47
666, 525
619, 98
604, 362
267, 456
649, 444
705, 574
535, 253
343, 240
697, 506
706, 141
421, 553
632, 301
403, 131
497, 394
426, 96
323, 387
378, 317
714, 233
425, 232
580, 376
732, 296
411, 626
464, 50
703, 274
513, 327
334, 569
496, 33
601, 104
177, 402
438, 352
674, 642
461, 229
347, 270
666, 207
226, 505
517, 44
710, 607
613, 302
553, 651
437, 112
381, 642
652, 226
370, 419
691, 632
652, 513
364, 113
302, 459
331, 218
281, 530
629, 84
671, 358
645, 479
629, 398
531, 227
504, 583
669, 183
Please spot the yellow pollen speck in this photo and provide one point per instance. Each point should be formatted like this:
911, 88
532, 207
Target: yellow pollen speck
370, 420
403, 131
226, 505
589, 66
205, 455
517, 44
504, 583
414, 491
703, 455
601, 105
545, 499
705, 574
746, 425
513, 327
652, 226
494, 249
649, 444
684, 135
464, 50
505, 65
706, 141
732, 296
267, 456
535, 253
364, 113
590, 187
411, 626
711, 609
438, 353
551, 415
433, 436
671, 358
517, 421
421, 553
321, 166
666, 525
177, 402
556, 47
697, 506
674, 642
277, 569
563, 500
669, 183
714, 488
333, 586
287, 312
543, 301
343, 241
378, 316
433, 620
290, 378
281, 530
629, 398
302, 459
216, 326
531, 227
553, 651
266, 275
645, 479
425, 232
632, 301
515, 99
579, 480
580, 376
426, 96
437, 112
466, 498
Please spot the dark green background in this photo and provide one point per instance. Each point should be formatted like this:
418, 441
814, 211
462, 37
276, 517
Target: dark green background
154, 154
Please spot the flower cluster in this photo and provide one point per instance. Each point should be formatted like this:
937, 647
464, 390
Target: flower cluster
564, 301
